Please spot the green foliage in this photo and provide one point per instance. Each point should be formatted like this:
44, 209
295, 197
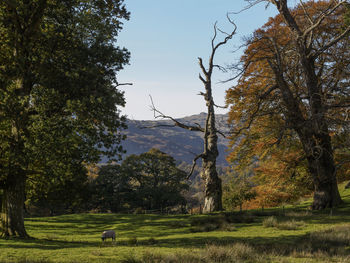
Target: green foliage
59, 102
236, 191
111, 190
57, 194
58, 82
155, 179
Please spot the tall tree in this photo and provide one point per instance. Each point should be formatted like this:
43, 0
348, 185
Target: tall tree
294, 84
58, 92
209, 174
111, 190
155, 179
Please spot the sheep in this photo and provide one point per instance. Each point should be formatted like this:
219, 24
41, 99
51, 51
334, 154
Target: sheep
108, 234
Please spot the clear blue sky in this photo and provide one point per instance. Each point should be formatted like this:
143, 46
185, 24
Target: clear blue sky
165, 38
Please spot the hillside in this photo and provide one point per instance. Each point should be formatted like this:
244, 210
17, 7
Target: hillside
182, 144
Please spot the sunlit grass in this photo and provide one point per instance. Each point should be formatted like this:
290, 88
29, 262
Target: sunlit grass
306, 236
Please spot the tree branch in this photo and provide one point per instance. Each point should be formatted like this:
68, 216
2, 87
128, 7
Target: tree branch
333, 42
158, 114
194, 163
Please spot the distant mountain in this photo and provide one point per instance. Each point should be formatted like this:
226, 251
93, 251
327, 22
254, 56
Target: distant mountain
182, 144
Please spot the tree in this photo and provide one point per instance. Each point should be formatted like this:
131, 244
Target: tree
294, 85
111, 189
57, 193
236, 191
209, 174
155, 180
58, 92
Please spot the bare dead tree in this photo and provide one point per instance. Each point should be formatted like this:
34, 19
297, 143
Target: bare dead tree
213, 188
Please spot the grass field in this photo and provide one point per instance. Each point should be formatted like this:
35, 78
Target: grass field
297, 235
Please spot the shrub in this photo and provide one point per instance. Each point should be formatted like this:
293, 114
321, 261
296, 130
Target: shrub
299, 213
290, 225
227, 227
271, 221
238, 252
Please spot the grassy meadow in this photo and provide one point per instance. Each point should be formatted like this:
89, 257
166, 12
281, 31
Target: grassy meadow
294, 234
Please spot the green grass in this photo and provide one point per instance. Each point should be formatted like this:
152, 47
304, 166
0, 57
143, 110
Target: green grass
298, 235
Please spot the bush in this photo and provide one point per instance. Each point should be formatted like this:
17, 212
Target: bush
290, 225
270, 222
238, 252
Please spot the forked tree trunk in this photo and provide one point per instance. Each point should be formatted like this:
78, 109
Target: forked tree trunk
12, 212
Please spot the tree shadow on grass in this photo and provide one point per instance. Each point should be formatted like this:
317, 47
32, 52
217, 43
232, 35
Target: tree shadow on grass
124, 225
45, 244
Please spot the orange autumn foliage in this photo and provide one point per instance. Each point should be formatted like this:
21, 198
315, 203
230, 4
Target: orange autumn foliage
264, 141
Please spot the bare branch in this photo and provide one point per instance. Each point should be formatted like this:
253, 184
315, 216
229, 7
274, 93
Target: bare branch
124, 84
333, 42
250, 5
194, 163
158, 114
221, 133
221, 107
221, 68
321, 18
202, 79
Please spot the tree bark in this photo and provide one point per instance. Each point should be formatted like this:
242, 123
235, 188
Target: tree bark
314, 134
12, 212
213, 189
322, 169
213, 192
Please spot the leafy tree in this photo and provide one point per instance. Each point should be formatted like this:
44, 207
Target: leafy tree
67, 192
58, 95
111, 189
293, 87
236, 191
156, 180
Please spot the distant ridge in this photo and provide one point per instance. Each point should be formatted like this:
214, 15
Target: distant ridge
181, 144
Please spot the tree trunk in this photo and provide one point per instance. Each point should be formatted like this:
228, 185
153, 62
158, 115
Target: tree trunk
12, 214
213, 189
213, 192
326, 194
321, 166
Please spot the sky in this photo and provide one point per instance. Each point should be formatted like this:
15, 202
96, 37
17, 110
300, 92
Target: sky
165, 39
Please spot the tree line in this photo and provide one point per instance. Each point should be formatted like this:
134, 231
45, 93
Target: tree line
149, 181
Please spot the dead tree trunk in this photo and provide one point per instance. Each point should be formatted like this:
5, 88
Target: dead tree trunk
213, 188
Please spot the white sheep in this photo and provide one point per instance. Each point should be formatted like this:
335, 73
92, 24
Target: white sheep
108, 234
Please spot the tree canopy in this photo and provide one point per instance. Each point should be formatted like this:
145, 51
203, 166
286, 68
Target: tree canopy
155, 179
289, 103
59, 102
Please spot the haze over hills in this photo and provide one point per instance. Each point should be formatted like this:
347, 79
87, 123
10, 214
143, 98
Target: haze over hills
182, 144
